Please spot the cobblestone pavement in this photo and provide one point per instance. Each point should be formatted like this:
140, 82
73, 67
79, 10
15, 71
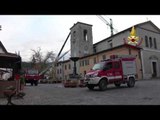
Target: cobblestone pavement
145, 92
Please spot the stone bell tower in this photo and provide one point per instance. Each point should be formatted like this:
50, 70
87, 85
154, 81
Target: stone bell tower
81, 39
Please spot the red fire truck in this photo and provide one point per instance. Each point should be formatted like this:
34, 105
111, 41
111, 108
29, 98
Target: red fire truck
119, 69
32, 76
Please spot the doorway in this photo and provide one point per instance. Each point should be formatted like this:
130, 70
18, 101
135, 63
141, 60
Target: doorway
154, 68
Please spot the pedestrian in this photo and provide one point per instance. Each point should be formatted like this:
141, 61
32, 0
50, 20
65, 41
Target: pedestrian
22, 81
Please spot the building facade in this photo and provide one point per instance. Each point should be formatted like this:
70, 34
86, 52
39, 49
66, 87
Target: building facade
87, 62
148, 52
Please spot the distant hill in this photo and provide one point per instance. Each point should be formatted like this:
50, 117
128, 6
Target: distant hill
26, 65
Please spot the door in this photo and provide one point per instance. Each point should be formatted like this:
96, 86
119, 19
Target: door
154, 68
117, 71
109, 72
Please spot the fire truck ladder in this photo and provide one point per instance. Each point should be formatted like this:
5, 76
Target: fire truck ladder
107, 23
58, 57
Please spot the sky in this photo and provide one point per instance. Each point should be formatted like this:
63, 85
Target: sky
24, 33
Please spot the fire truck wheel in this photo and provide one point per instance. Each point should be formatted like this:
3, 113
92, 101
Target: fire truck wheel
117, 84
103, 85
90, 87
131, 82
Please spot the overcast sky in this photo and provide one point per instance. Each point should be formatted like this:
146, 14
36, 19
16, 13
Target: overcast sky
25, 32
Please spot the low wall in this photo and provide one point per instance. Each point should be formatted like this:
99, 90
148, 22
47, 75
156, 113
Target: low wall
4, 84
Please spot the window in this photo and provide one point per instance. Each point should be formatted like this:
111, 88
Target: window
146, 41
82, 62
155, 44
32, 72
150, 40
99, 66
85, 35
65, 67
74, 37
69, 66
84, 73
94, 49
94, 60
104, 57
109, 65
86, 62
116, 65
60, 71
110, 43
74, 33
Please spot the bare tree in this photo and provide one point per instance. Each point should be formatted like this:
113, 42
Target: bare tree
39, 61
37, 55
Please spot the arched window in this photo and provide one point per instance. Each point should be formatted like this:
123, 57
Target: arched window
155, 44
85, 35
146, 41
74, 33
150, 40
74, 37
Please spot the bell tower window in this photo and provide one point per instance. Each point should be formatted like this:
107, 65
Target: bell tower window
85, 35
74, 37
74, 33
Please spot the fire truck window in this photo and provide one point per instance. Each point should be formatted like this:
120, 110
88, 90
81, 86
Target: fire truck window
116, 65
109, 65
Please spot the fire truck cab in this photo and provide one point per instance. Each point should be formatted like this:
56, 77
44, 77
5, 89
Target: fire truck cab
32, 76
119, 69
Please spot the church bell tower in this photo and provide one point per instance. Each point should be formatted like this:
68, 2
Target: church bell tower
81, 39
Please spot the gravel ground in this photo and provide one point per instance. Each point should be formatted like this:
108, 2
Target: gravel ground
145, 92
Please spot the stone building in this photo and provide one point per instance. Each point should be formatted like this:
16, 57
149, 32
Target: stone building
148, 52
